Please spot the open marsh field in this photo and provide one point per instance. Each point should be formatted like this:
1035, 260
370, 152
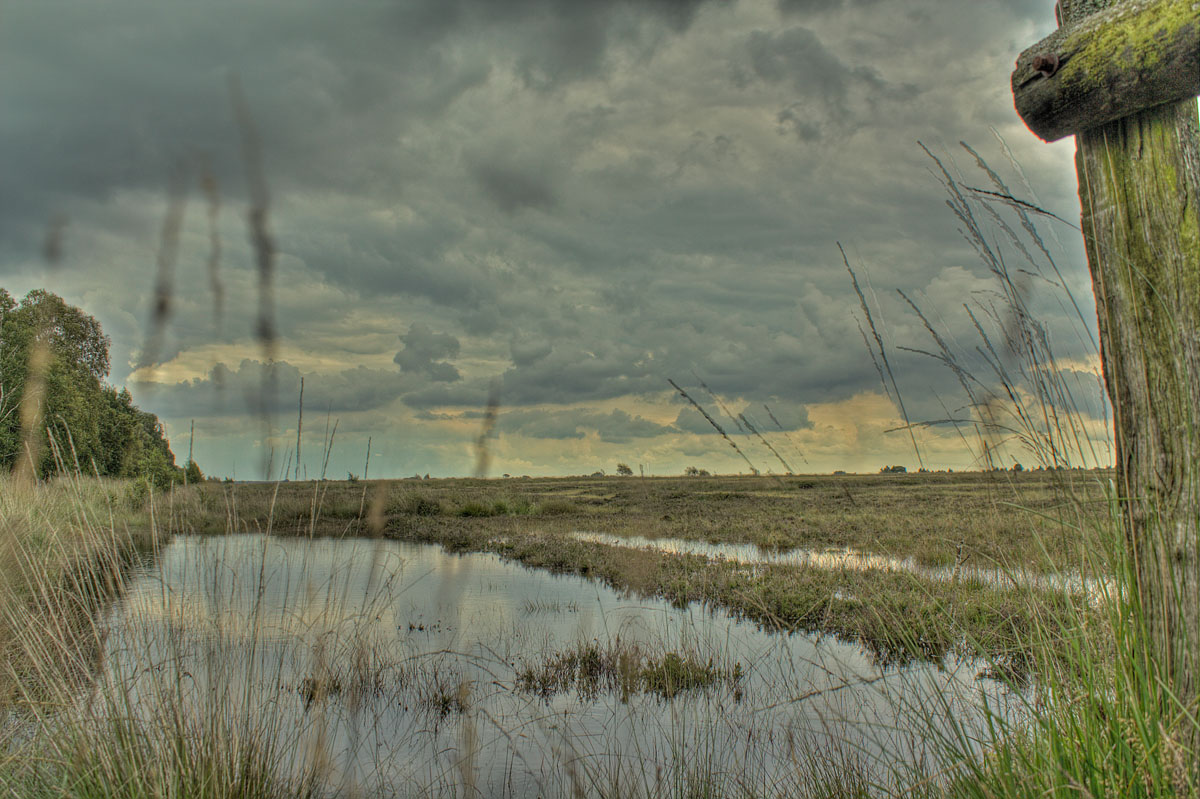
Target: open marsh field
976, 519
964, 560
536, 637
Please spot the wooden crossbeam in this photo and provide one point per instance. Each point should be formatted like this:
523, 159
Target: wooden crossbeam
1109, 65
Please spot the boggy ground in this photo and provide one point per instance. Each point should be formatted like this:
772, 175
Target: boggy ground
1032, 521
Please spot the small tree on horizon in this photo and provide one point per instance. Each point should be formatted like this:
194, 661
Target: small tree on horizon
624, 470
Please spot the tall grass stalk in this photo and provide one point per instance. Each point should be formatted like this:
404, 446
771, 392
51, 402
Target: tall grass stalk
82, 719
1098, 720
64, 546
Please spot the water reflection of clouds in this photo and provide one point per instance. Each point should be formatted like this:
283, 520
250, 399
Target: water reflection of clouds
255, 587
433, 620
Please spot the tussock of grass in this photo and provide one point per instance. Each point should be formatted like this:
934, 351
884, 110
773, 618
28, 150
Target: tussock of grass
65, 547
480, 510
157, 758
557, 507
625, 669
531, 607
474, 505
504, 506
414, 503
443, 694
1100, 722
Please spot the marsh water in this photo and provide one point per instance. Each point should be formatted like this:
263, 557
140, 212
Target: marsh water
397, 667
853, 560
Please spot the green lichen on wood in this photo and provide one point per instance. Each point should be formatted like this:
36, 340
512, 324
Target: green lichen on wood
1129, 42
1113, 60
1140, 186
1077, 9
1150, 183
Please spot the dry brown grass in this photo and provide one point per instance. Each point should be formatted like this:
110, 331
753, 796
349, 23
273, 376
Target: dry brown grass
64, 549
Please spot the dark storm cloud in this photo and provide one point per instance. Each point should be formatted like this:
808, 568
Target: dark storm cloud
620, 427
574, 370
798, 57
250, 388
803, 346
823, 82
573, 199
790, 7
788, 416
512, 189
114, 96
566, 40
111, 96
616, 427
587, 362
426, 352
529, 350
791, 416
561, 425
570, 372
411, 256
808, 6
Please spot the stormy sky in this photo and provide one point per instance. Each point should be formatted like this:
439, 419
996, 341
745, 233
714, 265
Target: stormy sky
553, 204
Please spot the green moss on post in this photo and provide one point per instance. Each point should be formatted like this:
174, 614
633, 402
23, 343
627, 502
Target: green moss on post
1139, 187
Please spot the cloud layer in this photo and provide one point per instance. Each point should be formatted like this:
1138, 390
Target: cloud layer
571, 202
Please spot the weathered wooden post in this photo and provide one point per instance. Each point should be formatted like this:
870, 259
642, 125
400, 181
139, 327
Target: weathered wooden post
1122, 76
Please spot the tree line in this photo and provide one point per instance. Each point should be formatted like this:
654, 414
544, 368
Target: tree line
94, 426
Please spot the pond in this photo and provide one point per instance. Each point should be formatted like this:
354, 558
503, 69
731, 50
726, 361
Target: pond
397, 668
